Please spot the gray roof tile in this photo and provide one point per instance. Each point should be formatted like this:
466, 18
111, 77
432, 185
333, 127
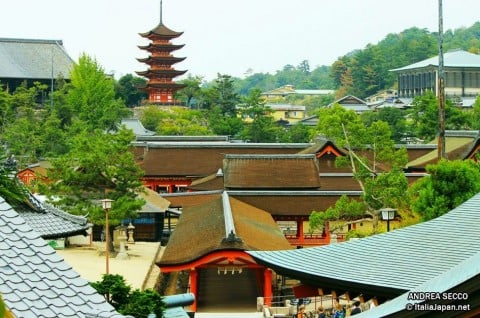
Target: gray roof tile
34, 279
32, 59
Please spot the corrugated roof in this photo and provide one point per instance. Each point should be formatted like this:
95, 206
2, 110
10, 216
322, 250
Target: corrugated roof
457, 58
389, 263
467, 270
35, 281
33, 59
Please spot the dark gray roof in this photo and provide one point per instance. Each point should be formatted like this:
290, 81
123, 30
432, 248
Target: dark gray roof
33, 59
174, 305
35, 281
51, 222
389, 263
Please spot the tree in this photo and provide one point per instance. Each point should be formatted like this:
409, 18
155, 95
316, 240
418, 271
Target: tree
127, 88
127, 301
99, 165
424, 116
447, 185
375, 162
92, 96
263, 127
190, 94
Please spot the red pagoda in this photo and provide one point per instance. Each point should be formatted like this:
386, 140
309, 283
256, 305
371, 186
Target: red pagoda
160, 86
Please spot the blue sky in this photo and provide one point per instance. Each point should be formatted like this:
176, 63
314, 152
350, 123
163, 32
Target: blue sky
226, 36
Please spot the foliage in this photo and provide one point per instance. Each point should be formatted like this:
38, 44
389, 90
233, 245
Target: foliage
127, 301
394, 117
423, 117
114, 289
142, 303
92, 96
127, 88
11, 189
222, 95
344, 209
297, 133
191, 93
372, 156
262, 128
448, 184
98, 165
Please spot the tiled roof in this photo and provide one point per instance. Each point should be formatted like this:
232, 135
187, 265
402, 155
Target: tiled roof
136, 126
35, 281
51, 222
199, 159
162, 30
299, 171
387, 264
202, 229
33, 59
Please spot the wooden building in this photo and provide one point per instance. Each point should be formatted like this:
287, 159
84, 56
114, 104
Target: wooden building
160, 86
211, 243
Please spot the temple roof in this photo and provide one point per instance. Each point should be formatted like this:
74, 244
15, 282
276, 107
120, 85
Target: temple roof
223, 223
271, 171
387, 264
33, 59
36, 281
161, 30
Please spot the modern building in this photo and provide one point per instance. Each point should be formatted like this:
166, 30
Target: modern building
32, 60
160, 85
462, 76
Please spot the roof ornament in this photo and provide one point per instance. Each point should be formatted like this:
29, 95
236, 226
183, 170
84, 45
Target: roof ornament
161, 11
230, 233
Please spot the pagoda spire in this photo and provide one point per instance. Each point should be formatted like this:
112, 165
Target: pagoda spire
161, 5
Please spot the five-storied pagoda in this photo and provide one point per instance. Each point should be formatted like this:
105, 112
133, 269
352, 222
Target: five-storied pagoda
160, 85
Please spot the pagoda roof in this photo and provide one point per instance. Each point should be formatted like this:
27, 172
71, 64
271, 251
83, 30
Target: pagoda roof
165, 59
32, 59
161, 30
151, 72
169, 47
164, 85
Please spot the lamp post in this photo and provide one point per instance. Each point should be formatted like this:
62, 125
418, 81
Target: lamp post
388, 214
107, 205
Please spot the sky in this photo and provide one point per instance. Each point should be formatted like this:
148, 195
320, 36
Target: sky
232, 37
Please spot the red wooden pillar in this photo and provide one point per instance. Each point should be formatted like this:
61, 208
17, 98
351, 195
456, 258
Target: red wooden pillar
300, 231
267, 286
194, 288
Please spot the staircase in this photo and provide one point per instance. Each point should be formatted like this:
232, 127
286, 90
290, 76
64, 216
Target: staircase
219, 292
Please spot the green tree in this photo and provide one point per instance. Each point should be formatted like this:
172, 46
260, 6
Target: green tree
375, 162
222, 95
128, 89
92, 96
127, 301
99, 165
190, 94
447, 185
263, 127
142, 303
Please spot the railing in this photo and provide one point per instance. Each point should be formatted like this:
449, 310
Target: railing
313, 239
